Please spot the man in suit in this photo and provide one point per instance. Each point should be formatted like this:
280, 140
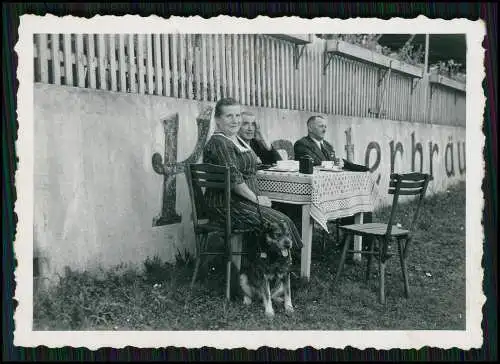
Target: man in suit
314, 145
250, 132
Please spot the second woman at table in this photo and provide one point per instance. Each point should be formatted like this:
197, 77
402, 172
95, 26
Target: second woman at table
225, 147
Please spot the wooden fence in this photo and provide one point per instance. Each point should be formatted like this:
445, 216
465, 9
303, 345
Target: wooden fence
258, 70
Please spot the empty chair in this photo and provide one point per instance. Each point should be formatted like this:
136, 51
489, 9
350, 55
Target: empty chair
411, 184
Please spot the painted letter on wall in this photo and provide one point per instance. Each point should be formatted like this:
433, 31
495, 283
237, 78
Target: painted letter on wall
460, 154
414, 150
448, 157
399, 148
169, 167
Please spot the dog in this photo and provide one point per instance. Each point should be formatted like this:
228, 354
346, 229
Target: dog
269, 261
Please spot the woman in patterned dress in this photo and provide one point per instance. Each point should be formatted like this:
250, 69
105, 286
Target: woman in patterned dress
225, 147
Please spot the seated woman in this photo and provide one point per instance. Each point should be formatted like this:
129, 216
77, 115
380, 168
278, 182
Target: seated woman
250, 133
225, 147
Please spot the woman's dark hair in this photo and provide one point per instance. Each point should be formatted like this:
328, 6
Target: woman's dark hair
228, 101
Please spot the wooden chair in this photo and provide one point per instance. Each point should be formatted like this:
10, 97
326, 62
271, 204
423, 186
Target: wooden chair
201, 176
382, 234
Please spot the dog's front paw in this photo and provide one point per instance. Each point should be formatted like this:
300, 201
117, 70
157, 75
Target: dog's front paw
278, 299
289, 309
269, 313
247, 300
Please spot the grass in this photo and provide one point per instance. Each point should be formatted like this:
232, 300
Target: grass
159, 299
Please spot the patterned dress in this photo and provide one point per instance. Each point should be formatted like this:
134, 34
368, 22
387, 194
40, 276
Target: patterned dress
241, 159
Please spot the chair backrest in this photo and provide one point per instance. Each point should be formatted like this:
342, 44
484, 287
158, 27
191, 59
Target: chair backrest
202, 176
286, 146
410, 184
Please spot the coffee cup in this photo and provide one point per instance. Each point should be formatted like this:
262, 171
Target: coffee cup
328, 164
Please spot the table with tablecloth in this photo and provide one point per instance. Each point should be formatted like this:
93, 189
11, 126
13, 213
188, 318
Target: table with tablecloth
324, 196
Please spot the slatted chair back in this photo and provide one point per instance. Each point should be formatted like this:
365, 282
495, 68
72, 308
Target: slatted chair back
202, 176
409, 184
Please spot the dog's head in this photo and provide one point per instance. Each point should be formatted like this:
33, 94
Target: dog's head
277, 237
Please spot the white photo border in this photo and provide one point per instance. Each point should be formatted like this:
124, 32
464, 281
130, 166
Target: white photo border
467, 339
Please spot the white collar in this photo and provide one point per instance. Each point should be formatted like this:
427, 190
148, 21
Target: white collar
319, 143
241, 148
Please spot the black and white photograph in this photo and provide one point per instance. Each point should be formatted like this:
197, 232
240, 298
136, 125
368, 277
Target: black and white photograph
213, 182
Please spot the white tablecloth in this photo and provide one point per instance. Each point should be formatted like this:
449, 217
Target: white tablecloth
332, 195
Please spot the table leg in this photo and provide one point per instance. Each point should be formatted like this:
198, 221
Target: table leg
305, 261
358, 240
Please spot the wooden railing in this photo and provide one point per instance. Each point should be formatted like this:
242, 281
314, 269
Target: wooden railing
259, 70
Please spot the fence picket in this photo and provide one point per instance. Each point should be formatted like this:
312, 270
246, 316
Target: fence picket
297, 80
259, 62
132, 83
274, 71
310, 80
175, 65
359, 89
332, 70
193, 87
316, 81
277, 72
91, 61
157, 60
43, 60
56, 63
319, 80
197, 56
68, 63
247, 83
167, 84
81, 68
112, 61
342, 87
252, 69
140, 62
291, 50
122, 65
281, 75
149, 64
288, 78
217, 61
211, 67
101, 61
268, 72
225, 77
235, 66
241, 70
182, 65
307, 80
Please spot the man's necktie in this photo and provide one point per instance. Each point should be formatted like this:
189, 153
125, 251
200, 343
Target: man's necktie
325, 152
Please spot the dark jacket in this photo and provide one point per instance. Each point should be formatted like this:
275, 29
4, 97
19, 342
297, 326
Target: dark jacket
307, 146
266, 156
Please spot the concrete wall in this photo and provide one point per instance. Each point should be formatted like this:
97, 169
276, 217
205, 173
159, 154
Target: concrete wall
96, 193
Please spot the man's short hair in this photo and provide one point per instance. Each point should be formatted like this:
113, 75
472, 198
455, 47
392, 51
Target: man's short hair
313, 118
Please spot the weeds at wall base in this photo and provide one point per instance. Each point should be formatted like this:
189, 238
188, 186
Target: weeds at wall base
157, 298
